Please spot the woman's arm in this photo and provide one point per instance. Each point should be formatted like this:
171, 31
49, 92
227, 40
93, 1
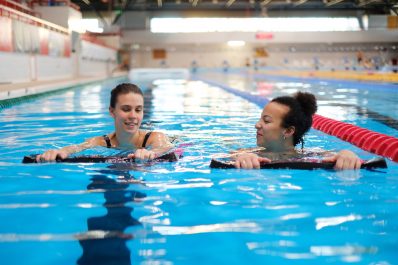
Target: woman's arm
159, 144
344, 160
64, 152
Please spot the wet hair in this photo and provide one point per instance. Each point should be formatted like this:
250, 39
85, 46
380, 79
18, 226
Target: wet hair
122, 89
301, 108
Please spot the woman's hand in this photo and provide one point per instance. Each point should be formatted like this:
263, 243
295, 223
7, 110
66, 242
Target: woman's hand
249, 161
64, 152
143, 154
344, 160
52, 155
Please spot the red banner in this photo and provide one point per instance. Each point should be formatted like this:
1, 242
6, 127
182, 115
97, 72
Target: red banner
43, 33
6, 34
67, 46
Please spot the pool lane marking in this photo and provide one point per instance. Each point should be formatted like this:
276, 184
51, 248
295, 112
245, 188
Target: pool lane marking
346, 83
257, 99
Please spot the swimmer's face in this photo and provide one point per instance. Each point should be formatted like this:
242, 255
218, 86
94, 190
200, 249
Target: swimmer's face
128, 112
270, 132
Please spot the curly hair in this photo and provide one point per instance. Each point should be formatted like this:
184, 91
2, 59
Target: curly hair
301, 108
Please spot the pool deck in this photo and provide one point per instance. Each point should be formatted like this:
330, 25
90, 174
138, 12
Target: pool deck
15, 90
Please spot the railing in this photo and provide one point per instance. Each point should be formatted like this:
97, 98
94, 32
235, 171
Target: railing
21, 16
54, 3
19, 7
93, 39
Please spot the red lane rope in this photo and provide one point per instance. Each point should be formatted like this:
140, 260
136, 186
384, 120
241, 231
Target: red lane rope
368, 140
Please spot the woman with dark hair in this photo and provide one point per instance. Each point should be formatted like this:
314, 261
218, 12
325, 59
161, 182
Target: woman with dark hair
282, 125
127, 109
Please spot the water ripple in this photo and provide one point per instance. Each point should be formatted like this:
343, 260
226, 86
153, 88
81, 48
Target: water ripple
250, 227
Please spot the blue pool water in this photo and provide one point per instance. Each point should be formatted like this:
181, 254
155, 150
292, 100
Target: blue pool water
184, 212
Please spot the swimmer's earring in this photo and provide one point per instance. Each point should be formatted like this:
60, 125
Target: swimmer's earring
289, 131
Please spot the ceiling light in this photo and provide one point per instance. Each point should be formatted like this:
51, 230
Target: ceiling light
236, 43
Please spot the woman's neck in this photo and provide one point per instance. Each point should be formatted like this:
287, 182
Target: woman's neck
281, 148
282, 152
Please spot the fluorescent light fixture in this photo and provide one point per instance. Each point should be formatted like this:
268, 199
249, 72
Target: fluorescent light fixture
266, 24
236, 43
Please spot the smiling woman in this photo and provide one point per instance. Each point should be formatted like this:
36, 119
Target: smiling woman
127, 109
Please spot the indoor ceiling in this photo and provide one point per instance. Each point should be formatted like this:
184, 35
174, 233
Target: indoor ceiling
365, 6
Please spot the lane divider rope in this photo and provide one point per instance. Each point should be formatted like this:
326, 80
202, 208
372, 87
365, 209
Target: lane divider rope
374, 142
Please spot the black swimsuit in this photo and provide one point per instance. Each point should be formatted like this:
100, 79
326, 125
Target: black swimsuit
109, 145
107, 140
146, 137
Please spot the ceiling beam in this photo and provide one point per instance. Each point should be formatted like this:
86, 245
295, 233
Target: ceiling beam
265, 2
333, 2
229, 3
393, 7
124, 8
367, 2
97, 12
299, 2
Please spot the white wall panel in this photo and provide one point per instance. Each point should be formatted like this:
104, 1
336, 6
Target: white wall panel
50, 68
15, 67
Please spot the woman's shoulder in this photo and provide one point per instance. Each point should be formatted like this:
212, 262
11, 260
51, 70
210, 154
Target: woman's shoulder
153, 138
145, 133
314, 153
103, 140
249, 150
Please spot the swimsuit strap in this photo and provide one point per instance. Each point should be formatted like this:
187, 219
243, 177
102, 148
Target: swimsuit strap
107, 140
146, 138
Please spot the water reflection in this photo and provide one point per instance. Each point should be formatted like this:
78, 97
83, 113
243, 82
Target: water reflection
108, 246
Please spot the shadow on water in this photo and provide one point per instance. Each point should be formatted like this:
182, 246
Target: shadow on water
106, 240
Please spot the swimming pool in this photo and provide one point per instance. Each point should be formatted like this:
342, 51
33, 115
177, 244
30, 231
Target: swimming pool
184, 212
